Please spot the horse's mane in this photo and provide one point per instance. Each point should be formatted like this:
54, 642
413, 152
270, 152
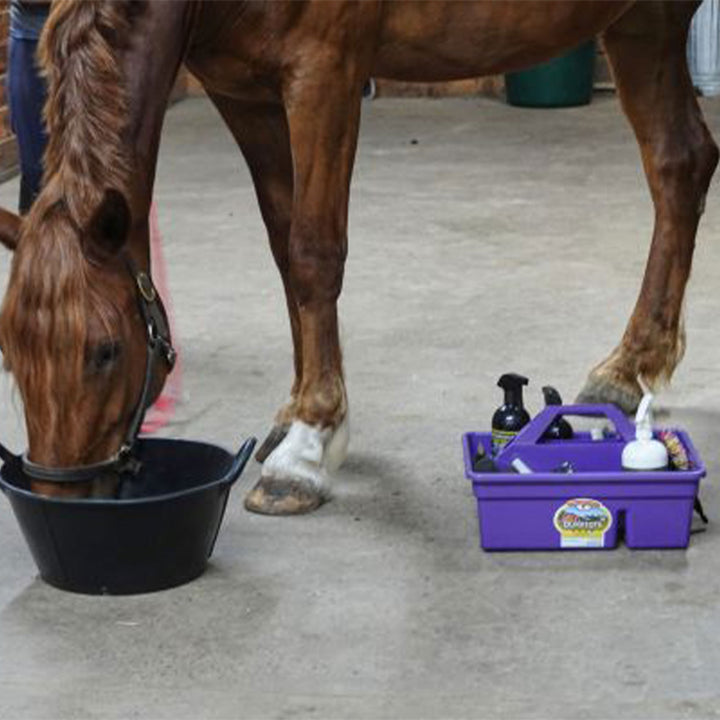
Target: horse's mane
87, 101
44, 320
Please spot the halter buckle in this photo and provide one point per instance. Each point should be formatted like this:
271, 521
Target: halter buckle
126, 461
146, 287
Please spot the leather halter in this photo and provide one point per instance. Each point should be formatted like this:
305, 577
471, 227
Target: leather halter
159, 347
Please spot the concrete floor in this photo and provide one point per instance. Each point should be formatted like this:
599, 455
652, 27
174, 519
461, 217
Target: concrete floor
503, 239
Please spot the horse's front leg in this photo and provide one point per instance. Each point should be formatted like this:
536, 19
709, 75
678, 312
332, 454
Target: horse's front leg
261, 131
323, 114
647, 52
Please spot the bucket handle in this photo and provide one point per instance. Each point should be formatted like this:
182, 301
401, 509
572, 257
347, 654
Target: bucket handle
239, 461
7, 456
536, 428
231, 476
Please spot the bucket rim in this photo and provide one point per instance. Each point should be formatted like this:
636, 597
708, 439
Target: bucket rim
8, 487
228, 478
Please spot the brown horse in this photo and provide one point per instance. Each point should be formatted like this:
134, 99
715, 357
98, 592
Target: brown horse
287, 77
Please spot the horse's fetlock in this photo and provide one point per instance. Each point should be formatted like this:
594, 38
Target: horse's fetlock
286, 413
654, 357
324, 406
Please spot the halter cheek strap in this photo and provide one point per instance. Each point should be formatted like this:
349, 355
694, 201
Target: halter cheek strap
159, 348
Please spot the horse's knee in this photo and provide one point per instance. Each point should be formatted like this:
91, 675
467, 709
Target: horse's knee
317, 264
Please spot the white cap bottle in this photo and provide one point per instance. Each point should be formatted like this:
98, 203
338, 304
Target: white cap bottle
644, 452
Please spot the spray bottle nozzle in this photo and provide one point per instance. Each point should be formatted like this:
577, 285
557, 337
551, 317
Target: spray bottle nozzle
643, 421
551, 395
512, 384
644, 452
560, 428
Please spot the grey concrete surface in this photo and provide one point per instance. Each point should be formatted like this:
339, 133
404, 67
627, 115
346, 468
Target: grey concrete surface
504, 239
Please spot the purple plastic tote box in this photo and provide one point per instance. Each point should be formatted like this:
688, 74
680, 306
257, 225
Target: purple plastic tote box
589, 508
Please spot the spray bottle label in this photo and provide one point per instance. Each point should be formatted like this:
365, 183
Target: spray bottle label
582, 523
500, 438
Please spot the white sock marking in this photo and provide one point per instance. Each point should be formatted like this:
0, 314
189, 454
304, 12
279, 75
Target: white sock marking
309, 454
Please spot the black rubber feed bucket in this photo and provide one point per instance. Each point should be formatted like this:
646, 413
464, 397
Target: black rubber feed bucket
159, 533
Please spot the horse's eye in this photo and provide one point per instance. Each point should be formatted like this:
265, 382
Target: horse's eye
105, 354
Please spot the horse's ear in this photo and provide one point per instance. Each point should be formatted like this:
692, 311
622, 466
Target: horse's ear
9, 229
110, 225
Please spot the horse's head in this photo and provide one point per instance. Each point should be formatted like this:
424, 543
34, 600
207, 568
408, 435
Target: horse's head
74, 333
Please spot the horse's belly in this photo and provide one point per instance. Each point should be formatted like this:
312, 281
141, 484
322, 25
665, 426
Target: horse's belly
429, 41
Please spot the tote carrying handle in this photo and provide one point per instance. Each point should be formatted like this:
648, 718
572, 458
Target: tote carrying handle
537, 427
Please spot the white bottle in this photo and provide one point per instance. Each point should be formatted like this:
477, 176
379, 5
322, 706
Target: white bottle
644, 452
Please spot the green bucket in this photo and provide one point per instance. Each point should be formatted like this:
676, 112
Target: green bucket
563, 82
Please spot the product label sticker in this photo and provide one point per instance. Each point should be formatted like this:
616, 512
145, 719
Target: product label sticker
582, 523
500, 438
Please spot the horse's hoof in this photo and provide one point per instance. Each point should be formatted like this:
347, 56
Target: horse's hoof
274, 438
295, 477
283, 497
600, 390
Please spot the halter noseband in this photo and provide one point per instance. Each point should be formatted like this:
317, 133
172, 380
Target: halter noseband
159, 347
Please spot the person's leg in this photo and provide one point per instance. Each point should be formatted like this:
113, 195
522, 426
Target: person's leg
26, 94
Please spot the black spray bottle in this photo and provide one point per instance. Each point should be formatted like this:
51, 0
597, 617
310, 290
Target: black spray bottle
561, 428
511, 416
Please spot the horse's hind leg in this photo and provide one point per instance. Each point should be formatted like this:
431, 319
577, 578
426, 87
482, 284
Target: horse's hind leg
261, 132
646, 49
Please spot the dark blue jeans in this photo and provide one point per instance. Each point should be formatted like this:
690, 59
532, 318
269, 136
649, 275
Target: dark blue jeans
26, 95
